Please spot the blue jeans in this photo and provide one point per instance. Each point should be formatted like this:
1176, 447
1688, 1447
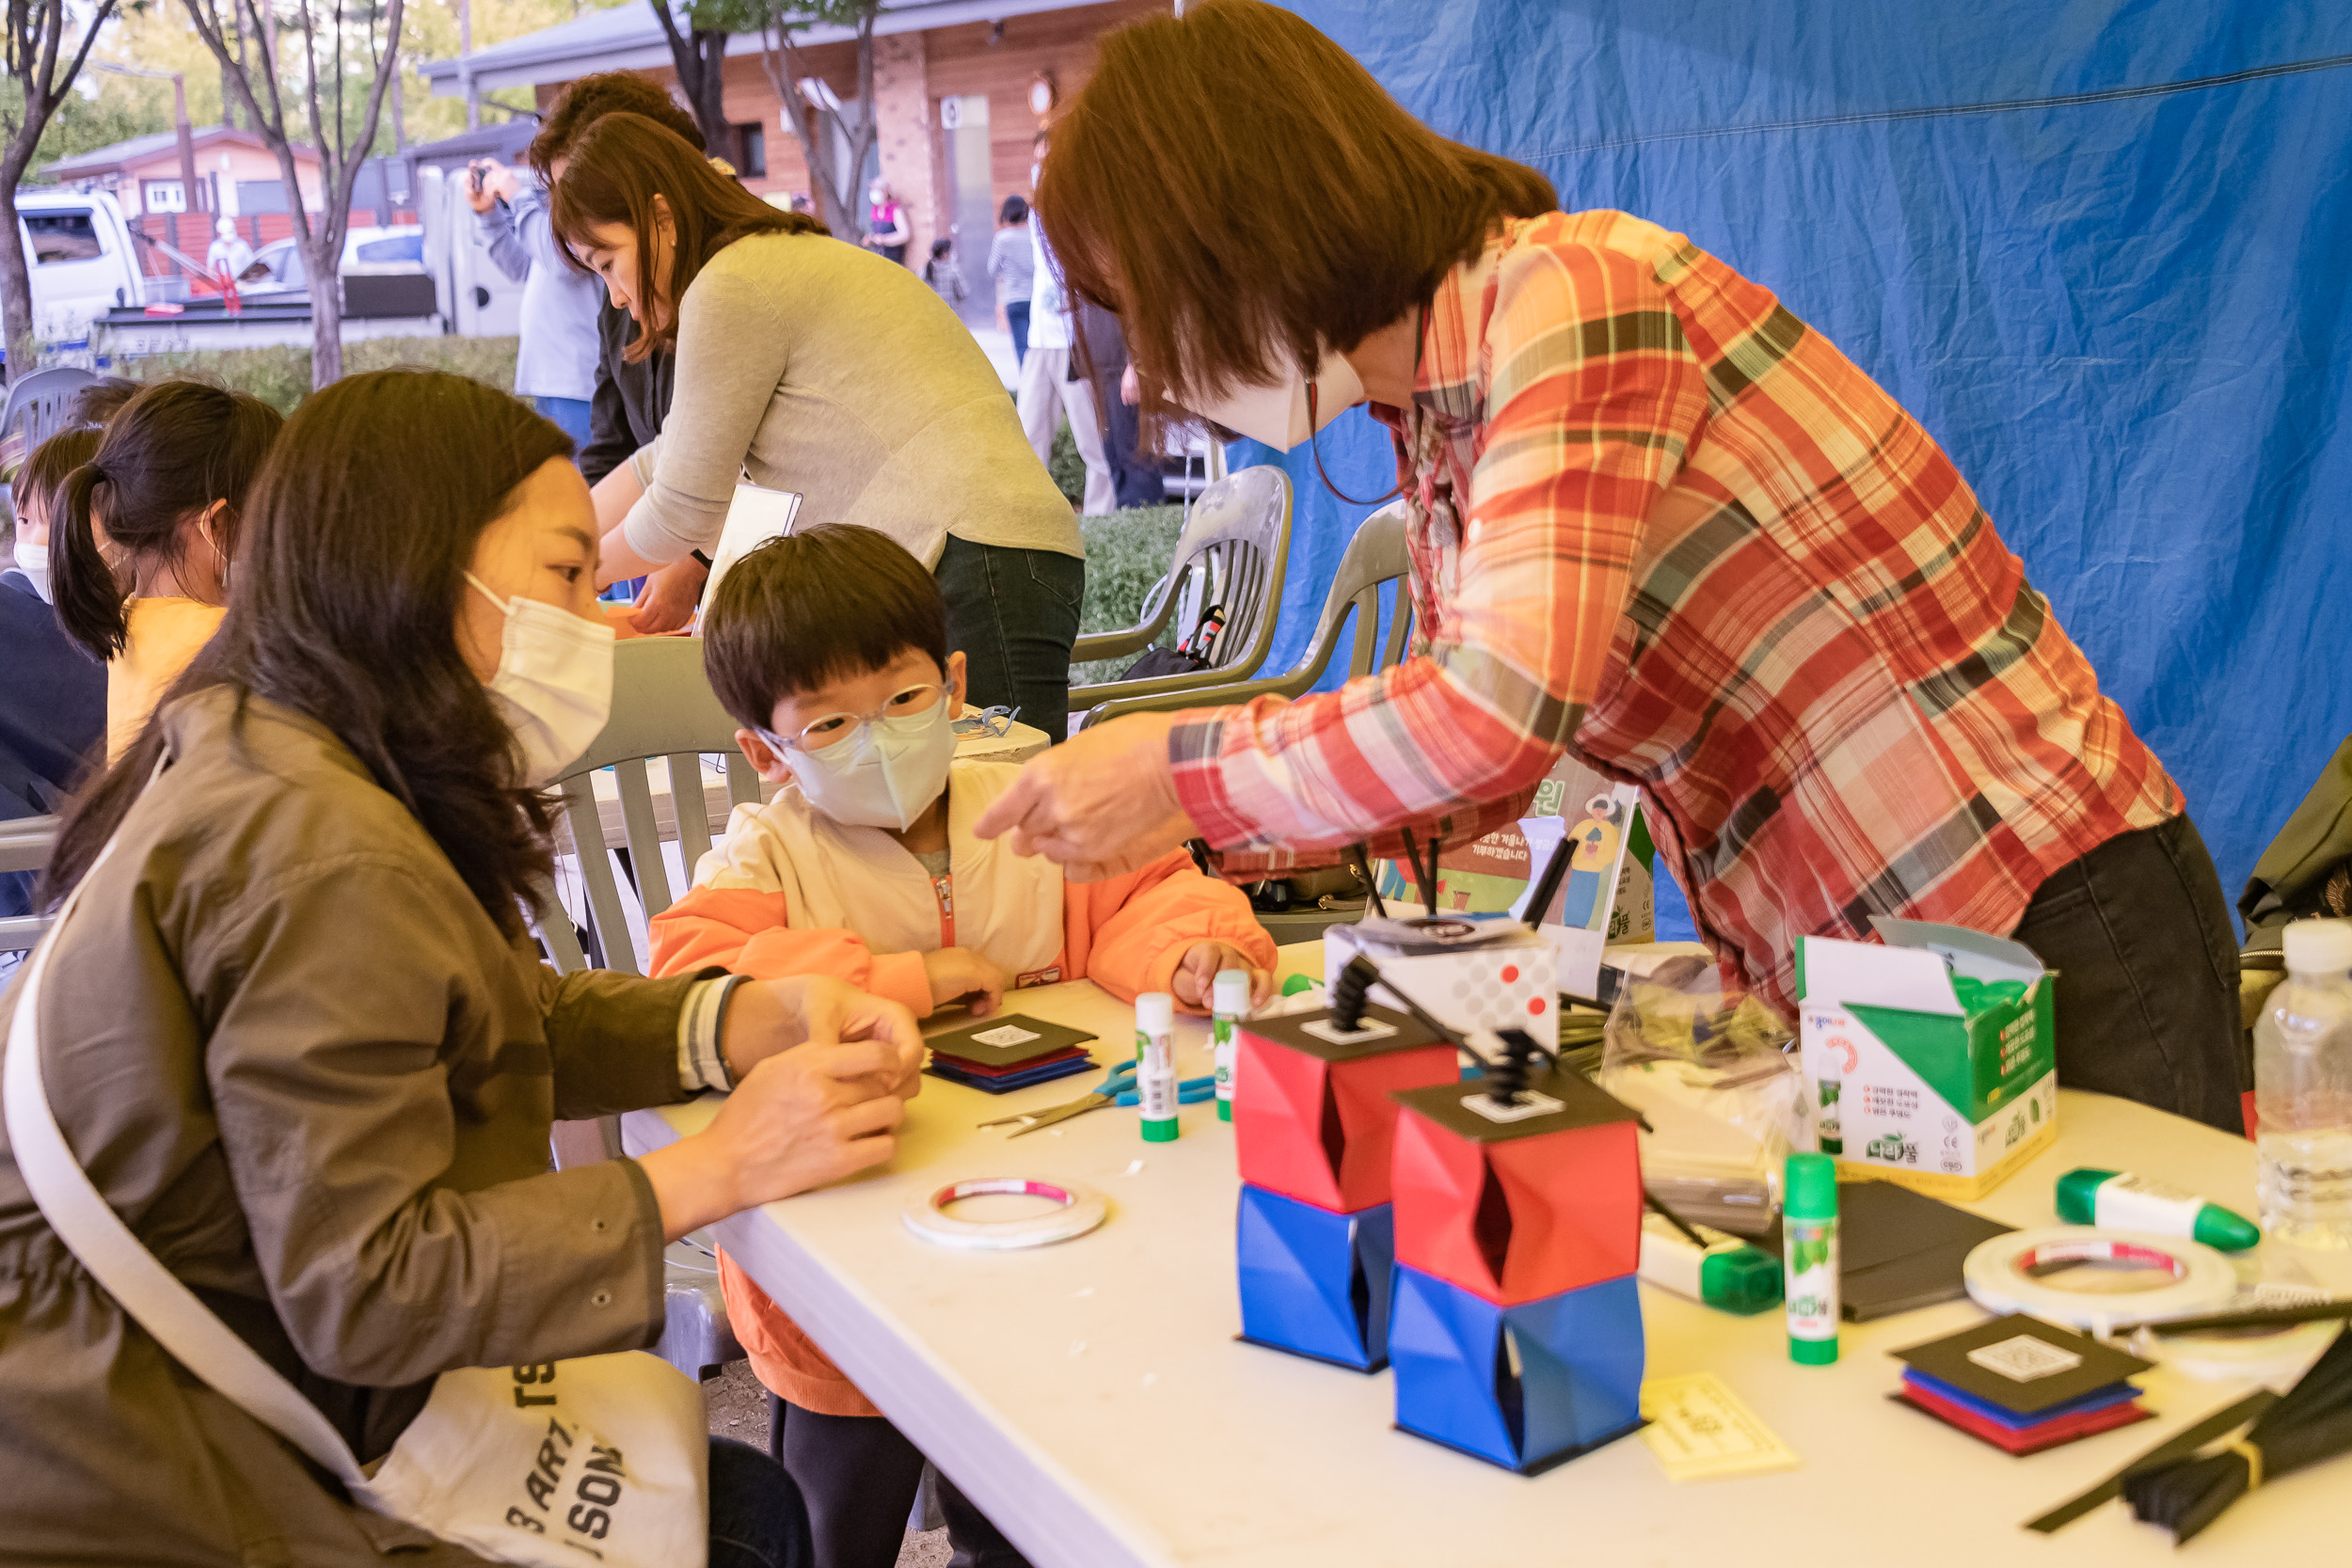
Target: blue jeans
758, 1519
1017, 319
568, 413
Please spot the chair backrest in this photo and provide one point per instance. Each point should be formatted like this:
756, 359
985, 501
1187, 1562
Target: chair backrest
24, 846
38, 400
1232, 556
662, 706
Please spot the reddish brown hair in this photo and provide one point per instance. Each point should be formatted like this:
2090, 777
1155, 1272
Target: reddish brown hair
592, 98
1306, 205
617, 168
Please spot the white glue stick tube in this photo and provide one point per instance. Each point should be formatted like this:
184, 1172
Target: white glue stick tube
1155, 1065
1228, 1004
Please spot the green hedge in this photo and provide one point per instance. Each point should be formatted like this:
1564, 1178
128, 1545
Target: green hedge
279, 376
1126, 553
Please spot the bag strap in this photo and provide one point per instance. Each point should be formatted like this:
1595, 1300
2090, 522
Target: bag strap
140, 1284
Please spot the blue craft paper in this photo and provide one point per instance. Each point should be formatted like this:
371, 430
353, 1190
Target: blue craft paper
1009, 1082
1297, 1265
1580, 1355
2117, 1393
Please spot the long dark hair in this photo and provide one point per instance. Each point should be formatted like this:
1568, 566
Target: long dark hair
615, 169
173, 449
1311, 205
345, 611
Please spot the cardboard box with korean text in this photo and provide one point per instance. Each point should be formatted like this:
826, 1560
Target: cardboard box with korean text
1929, 1061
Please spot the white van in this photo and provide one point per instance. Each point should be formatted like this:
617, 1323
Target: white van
78, 250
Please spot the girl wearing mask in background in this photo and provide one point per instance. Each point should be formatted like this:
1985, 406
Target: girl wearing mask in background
140, 555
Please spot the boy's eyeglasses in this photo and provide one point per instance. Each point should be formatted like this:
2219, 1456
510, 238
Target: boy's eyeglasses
994, 723
906, 712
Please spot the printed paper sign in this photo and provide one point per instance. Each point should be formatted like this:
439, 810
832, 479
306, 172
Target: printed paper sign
1699, 1430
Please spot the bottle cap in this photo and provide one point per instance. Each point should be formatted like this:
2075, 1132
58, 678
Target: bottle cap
2078, 1195
1744, 1279
2319, 946
1231, 994
1812, 1188
1155, 1012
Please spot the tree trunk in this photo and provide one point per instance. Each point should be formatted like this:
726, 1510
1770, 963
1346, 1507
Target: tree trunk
16, 279
327, 304
712, 112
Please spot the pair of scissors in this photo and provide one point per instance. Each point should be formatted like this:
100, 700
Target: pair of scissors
1118, 1087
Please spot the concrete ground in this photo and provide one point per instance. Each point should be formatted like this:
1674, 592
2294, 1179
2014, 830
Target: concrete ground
738, 1409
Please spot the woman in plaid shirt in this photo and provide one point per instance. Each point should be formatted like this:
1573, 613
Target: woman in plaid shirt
1655, 518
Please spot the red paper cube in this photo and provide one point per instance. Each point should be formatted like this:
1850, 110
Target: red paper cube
1518, 1209
1311, 1115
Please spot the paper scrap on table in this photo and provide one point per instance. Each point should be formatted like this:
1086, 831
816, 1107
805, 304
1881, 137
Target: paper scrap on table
1006, 1036
1699, 1430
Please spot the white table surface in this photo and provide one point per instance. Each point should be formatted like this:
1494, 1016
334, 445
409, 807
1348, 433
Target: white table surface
1092, 1399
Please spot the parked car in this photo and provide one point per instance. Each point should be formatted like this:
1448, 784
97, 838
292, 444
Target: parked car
279, 266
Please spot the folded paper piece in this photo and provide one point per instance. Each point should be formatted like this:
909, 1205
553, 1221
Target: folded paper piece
1313, 1282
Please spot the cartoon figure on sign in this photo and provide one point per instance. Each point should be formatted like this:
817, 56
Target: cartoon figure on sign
1593, 853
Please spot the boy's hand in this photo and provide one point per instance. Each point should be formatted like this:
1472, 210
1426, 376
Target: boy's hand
1195, 974
956, 972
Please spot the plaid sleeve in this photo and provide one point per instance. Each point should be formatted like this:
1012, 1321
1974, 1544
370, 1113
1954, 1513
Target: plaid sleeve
1590, 399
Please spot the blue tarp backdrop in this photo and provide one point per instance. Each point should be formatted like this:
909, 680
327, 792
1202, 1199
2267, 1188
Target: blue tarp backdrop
2103, 249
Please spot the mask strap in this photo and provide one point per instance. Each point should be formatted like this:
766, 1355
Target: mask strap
1314, 446
505, 606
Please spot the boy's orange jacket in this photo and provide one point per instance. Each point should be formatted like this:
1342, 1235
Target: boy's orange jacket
792, 892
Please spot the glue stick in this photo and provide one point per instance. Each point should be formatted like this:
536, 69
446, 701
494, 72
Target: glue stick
1808, 1227
2126, 1202
1228, 1001
1155, 1065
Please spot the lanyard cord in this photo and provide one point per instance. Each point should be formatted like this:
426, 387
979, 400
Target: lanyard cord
1315, 445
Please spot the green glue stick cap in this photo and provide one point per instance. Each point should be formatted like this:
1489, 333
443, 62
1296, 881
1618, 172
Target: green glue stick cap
1811, 1189
2159, 1208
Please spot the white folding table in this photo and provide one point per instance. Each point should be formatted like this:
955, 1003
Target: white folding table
1092, 1397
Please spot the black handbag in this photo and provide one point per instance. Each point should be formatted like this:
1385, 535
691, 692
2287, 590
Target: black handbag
1184, 658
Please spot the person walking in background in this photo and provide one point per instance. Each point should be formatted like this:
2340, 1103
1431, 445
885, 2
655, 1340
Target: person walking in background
945, 276
1136, 477
1012, 263
886, 228
1050, 383
555, 371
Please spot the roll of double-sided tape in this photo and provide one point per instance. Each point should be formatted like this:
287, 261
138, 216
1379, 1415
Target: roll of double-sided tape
2002, 1276
1078, 1209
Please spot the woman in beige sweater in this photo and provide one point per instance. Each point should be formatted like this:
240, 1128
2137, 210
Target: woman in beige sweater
816, 366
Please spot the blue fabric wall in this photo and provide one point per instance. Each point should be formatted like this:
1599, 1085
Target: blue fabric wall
2102, 248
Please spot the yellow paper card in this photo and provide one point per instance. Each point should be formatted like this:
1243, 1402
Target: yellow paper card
1700, 1431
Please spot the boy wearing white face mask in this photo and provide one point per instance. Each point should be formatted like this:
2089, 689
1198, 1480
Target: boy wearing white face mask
830, 646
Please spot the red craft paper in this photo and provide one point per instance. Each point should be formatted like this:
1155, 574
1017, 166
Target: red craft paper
2023, 1440
1556, 1211
1319, 1131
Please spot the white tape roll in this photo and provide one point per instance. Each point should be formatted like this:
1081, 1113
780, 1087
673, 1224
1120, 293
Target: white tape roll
1999, 1281
1081, 1209
2278, 1357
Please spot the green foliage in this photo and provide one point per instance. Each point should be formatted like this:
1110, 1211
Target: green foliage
1126, 553
1067, 468
82, 126
279, 376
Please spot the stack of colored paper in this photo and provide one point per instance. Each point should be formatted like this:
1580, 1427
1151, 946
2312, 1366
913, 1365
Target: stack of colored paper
1001, 1054
2023, 1385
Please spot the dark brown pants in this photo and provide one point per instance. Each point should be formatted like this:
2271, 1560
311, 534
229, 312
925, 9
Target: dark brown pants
2140, 934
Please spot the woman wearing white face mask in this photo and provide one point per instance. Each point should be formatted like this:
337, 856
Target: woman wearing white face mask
53, 697
312, 1058
1653, 517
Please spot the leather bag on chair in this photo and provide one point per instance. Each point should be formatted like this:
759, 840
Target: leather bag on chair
2307, 871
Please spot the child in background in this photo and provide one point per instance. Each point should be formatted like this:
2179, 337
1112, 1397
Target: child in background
944, 276
830, 647
139, 556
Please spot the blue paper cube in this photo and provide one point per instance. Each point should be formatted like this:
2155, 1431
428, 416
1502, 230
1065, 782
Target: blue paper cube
1523, 1386
1314, 1282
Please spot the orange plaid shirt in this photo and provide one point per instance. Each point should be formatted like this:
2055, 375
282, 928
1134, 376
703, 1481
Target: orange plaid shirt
1659, 519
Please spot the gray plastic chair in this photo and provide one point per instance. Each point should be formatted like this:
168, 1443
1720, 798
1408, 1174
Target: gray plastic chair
1375, 558
662, 706
24, 846
38, 400
1232, 555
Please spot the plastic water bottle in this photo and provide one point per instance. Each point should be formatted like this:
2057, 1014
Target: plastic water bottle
2303, 1090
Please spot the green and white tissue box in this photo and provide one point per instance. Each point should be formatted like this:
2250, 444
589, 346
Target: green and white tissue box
1903, 1083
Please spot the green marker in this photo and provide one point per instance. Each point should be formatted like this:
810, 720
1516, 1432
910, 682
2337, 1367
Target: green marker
2126, 1202
1808, 1228
1228, 1004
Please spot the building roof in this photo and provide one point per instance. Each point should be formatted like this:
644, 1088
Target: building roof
143, 150
629, 38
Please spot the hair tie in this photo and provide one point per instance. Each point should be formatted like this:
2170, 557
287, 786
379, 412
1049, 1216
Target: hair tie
97, 474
